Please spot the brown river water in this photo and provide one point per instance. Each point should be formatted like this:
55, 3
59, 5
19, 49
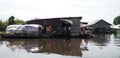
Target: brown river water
101, 46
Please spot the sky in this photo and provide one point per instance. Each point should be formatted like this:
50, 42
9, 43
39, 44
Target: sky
90, 10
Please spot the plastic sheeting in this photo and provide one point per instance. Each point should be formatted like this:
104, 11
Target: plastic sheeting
23, 28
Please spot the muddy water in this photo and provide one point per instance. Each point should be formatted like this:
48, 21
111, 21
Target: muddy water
101, 46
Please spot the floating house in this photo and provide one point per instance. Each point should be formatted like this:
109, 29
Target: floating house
65, 26
100, 26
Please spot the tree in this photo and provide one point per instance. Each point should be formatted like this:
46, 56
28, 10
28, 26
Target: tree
116, 20
11, 20
1, 25
18, 21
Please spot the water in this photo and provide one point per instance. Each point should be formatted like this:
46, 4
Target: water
102, 46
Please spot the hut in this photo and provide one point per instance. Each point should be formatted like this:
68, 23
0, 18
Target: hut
59, 26
100, 26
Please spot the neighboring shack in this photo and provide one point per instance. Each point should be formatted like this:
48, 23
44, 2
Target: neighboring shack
100, 26
59, 26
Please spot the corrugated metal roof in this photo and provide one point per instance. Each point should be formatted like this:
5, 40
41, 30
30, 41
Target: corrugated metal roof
67, 21
96, 21
78, 17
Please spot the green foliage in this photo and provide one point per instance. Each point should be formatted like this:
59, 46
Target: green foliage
116, 20
0, 22
5, 24
11, 20
18, 21
2, 26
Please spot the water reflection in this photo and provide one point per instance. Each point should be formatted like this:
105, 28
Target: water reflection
101, 44
117, 34
57, 46
71, 47
101, 39
84, 44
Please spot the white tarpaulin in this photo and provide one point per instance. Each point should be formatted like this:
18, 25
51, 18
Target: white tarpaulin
28, 28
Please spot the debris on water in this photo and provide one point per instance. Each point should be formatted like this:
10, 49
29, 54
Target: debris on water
34, 49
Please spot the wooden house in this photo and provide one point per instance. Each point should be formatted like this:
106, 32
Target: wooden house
62, 25
100, 26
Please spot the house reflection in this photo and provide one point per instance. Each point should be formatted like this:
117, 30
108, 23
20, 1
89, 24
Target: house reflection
84, 44
58, 46
22, 44
101, 39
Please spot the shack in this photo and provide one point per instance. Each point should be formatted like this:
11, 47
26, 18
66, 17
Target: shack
65, 26
100, 26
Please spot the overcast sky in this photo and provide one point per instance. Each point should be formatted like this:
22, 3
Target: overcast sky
90, 10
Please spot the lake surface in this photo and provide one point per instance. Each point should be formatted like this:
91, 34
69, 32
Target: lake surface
101, 46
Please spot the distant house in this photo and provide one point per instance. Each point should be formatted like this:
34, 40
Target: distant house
100, 26
62, 25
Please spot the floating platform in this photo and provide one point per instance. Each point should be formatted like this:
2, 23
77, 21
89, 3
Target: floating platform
18, 36
35, 36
